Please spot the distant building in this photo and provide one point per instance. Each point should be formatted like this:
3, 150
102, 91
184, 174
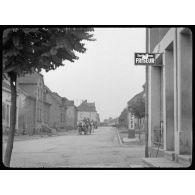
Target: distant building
71, 114
55, 109
87, 110
65, 113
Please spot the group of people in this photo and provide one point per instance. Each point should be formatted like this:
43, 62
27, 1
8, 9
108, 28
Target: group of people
86, 126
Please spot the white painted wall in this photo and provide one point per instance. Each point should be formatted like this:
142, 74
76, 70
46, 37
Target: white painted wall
90, 115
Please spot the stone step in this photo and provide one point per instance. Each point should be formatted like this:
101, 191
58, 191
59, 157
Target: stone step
162, 163
185, 159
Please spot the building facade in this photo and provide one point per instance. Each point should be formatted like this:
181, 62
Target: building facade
34, 107
71, 114
55, 109
26, 121
38, 108
87, 110
6, 105
67, 113
170, 92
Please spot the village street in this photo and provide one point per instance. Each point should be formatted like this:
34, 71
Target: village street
100, 149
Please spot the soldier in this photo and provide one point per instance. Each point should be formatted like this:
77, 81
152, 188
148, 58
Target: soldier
79, 126
92, 126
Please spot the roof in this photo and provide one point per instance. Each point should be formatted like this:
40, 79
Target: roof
27, 90
60, 100
52, 94
30, 78
5, 84
21, 90
69, 103
86, 107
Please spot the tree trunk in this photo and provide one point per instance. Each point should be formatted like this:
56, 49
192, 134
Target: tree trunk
8, 151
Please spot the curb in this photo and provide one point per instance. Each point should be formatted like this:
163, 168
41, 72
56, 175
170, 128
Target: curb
119, 139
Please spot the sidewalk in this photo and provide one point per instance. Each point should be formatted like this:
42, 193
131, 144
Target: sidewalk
162, 163
123, 133
30, 137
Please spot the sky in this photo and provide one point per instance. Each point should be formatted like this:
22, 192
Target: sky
105, 74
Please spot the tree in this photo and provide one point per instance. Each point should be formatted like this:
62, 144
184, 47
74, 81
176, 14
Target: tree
28, 50
123, 118
137, 107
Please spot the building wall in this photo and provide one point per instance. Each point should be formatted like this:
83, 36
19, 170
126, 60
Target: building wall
70, 117
27, 116
6, 105
46, 114
169, 93
21, 121
157, 35
39, 112
90, 115
63, 117
155, 99
170, 88
185, 57
54, 119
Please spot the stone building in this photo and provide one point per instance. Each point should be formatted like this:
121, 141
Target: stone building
71, 114
67, 112
170, 93
35, 107
38, 108
6, 105
26, 121
87, 110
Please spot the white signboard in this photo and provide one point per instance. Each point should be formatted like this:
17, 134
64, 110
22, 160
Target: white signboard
146, 59
131, 121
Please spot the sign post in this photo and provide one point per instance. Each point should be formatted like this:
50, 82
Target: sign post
131, 125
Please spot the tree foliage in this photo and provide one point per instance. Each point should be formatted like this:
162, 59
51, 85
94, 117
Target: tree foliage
123, 118
32, 49
137, 106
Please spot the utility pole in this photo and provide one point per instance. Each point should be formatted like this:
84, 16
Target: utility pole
146, 99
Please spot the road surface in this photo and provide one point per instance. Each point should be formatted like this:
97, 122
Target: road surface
100, 149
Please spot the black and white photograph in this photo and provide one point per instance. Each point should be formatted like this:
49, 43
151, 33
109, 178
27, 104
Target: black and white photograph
97, 97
